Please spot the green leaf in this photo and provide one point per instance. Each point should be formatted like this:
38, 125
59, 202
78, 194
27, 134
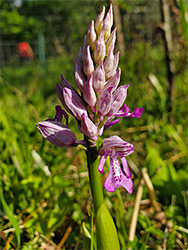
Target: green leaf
153, 159
106, 233
183, 15
11, 217
155, 231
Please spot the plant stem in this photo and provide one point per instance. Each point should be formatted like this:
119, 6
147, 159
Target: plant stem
94, 176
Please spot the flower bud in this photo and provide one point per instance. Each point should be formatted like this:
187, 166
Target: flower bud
115, 64
107, 23
79, 75
91, 36
88, 63
99, 78
99, 21
114, 80
105, 101
100, 49
111, 41
119, 97
59, 91
57, 133
108, 65
88, 127
74, 103
89, 93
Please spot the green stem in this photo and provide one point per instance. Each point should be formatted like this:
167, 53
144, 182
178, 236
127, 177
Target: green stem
106, 233
94, 176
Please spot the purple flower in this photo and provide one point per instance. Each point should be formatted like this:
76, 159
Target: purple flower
111, 41
105, 101
119, 97
99, 21
99, 78
88, 127
91, 35
107, 23
57, 133
100, 49
124, 112
89, 93
115, 147
88, 63
113, 81
74, 103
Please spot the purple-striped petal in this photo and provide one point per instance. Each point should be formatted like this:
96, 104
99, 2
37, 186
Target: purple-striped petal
57, 133
88, 127
74, 103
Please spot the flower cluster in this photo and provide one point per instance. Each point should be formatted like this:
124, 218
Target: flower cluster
99, 102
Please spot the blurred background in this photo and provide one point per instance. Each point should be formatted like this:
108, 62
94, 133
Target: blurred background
45, 201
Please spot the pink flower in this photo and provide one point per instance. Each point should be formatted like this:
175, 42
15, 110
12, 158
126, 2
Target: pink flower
56, 132
115, 147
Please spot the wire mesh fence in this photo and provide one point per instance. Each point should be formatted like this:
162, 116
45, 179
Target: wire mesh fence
140, 21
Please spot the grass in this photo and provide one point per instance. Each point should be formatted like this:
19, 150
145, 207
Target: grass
46, 198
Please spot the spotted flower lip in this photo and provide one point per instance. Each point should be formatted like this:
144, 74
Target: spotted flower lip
115, 148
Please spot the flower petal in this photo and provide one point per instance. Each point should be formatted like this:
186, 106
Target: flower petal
74, 103
105, 101
115, 174
57, 133
88, 127
136, 113
125, 166
127, 183
119, 97
115, 141
101, 163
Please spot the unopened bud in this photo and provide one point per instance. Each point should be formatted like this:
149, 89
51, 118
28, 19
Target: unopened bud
74, 103
89, 93
99, 21
88, 63
88, 127
99, 78
105, 101
107, 23
100, 49
119, 97
111, 41
114, 81
59, 91
108, 65
91, 36
115, 64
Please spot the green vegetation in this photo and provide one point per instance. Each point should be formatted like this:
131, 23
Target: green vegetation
45, 198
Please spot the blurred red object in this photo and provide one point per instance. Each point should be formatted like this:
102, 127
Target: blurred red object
25, 50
